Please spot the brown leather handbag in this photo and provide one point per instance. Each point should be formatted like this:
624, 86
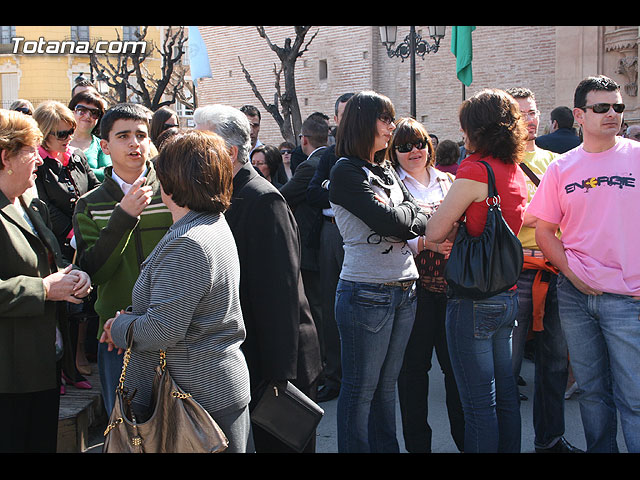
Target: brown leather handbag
178, 424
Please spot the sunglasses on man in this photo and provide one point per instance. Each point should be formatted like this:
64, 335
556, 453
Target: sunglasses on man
604, 107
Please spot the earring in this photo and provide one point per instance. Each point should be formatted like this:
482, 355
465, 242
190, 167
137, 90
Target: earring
9, 172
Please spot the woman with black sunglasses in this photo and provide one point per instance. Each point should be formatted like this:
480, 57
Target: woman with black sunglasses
88, 108
65, 174
413, 156
23, 106
63, 177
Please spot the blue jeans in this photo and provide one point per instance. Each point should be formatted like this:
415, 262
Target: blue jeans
374, 321
109, 368
551, 360
603, 334
479, 339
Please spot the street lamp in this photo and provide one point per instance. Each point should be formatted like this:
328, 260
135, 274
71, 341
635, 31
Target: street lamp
413, 44
102, 84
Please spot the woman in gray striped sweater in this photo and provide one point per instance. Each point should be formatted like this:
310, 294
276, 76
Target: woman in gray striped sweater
186, 300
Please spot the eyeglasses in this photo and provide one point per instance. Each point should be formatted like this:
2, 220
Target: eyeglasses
63, 134
407, 147
285, 152
82, 110
386, 118
24, 110
530, 115
604, 107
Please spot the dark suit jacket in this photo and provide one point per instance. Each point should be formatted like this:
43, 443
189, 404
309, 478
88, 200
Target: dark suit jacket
316, 194
27, 321
308, 217
282, 342
560, 141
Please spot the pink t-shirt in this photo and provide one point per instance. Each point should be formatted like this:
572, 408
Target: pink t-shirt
595, 199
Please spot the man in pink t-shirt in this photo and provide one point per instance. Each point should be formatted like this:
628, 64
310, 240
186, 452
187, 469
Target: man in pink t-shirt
591, 194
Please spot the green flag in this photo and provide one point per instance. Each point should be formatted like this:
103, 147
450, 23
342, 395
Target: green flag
461, 48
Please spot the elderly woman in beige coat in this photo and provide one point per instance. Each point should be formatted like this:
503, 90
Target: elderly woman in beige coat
35, 281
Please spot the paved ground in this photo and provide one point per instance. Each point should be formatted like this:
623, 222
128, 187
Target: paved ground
442, 442
439, 422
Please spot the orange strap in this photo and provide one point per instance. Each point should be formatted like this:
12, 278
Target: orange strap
540, 288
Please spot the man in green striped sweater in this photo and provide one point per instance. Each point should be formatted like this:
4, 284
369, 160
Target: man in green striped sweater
118, 224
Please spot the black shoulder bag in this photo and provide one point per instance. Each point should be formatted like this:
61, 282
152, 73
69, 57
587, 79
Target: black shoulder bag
484, 266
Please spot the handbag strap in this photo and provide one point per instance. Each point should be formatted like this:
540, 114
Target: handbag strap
127, 357
492, 192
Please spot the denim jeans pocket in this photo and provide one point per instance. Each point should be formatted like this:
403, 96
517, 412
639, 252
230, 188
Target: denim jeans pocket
487, 318
372, 306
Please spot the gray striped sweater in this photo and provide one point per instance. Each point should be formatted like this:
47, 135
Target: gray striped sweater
186, 302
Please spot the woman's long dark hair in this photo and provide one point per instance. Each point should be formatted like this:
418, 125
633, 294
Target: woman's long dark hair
358, 126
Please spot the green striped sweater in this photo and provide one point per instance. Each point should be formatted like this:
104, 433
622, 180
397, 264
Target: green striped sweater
112, 245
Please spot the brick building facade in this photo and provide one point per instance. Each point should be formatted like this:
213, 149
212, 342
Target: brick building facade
550, 60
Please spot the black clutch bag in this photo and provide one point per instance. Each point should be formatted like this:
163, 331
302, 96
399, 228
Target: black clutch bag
287, 414
484, 266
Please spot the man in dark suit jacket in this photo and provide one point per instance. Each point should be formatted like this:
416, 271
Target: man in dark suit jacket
331, 256
315, 131
562, 137
282, 342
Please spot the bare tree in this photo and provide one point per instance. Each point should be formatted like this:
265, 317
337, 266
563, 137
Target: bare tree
127, 74
287, 116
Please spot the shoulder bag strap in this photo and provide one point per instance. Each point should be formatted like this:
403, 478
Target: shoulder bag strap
491, 182
534, 178
127, 358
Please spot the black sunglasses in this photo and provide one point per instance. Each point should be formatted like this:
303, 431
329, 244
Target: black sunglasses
407, 147
604, 107
95, 113
63, 134
24, 110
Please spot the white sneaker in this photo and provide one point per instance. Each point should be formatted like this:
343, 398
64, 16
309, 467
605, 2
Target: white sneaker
571, 390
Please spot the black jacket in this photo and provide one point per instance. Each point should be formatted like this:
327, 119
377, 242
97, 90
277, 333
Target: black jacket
350, 189
560, 141
308, 217
60, 187
282, 342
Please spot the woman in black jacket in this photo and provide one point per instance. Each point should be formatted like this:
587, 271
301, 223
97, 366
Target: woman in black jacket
65, 174
63, 177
